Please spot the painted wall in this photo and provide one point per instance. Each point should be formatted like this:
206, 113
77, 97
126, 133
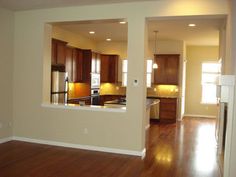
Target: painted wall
195, 56
116, 130
6, 71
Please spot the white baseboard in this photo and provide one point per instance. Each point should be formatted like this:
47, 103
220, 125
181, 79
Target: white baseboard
4, 140
200, 116
84, 147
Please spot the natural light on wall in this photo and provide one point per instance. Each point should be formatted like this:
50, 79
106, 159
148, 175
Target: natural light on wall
210, 74
125, 70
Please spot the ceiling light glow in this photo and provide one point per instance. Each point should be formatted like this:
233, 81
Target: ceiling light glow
123, 22
108, 39
192, 25
91, 32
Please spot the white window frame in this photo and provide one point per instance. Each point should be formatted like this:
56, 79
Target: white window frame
125, 73
149, 73
210, 84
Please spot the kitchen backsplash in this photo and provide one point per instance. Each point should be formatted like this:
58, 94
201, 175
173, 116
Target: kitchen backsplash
155, 90
112, 89
163, 90
77, 90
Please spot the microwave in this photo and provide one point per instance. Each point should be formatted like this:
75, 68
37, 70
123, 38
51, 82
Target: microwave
95, 80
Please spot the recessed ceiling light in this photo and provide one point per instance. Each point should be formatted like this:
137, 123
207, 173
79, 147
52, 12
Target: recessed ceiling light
191, 24
123, 22
91, 32
108, 39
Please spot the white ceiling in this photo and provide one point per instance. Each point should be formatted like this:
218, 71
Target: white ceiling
18, 5
206, 31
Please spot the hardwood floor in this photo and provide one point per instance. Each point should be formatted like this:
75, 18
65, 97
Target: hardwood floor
186, 149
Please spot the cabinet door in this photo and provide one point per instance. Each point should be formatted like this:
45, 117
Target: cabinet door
109, 68
61, 53
58, 52
69, 63
77, 65
96, 63
168, 107
168, 69
104, 68
54, 52
87, 61
113, 74
160, 73
173, 69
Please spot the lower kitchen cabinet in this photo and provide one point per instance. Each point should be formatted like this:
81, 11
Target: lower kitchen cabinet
168, 109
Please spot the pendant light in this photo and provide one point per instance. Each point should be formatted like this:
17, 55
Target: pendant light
155, 66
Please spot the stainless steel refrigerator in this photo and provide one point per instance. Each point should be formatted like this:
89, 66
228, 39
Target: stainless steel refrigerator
59, 87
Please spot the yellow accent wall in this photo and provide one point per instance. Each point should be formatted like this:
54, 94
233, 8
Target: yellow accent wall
195, 56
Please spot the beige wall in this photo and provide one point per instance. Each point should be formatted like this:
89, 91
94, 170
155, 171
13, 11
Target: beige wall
116, 130
6, 71
195, 56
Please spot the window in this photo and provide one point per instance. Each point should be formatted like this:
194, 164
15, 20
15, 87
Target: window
210, 74
149, 73
125, 70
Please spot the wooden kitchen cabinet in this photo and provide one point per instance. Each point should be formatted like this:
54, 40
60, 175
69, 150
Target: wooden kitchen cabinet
109, 68
69, 63
78, 65
168, 69
58, 52
168, 109
87, 61
96, 62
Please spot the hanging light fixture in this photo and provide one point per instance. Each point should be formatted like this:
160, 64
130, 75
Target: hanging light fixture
155, 66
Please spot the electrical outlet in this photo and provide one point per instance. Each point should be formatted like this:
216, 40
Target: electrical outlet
85, 131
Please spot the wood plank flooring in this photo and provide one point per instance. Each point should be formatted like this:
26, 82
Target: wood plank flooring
185, 149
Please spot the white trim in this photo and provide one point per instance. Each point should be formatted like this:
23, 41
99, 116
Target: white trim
4, 140
200, 116
85, 107
85, 147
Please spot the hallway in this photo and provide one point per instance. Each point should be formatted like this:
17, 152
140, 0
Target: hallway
186, 149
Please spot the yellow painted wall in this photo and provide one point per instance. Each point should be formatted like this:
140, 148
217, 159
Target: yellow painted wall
114, 130
195, 56
6, 72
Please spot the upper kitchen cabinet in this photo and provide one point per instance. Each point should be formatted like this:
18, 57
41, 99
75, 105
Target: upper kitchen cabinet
168, 69
78, 64
96, 63
86, 70
58, 52
109, 68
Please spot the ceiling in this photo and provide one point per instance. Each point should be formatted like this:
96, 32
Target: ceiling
18, 5
206, 31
